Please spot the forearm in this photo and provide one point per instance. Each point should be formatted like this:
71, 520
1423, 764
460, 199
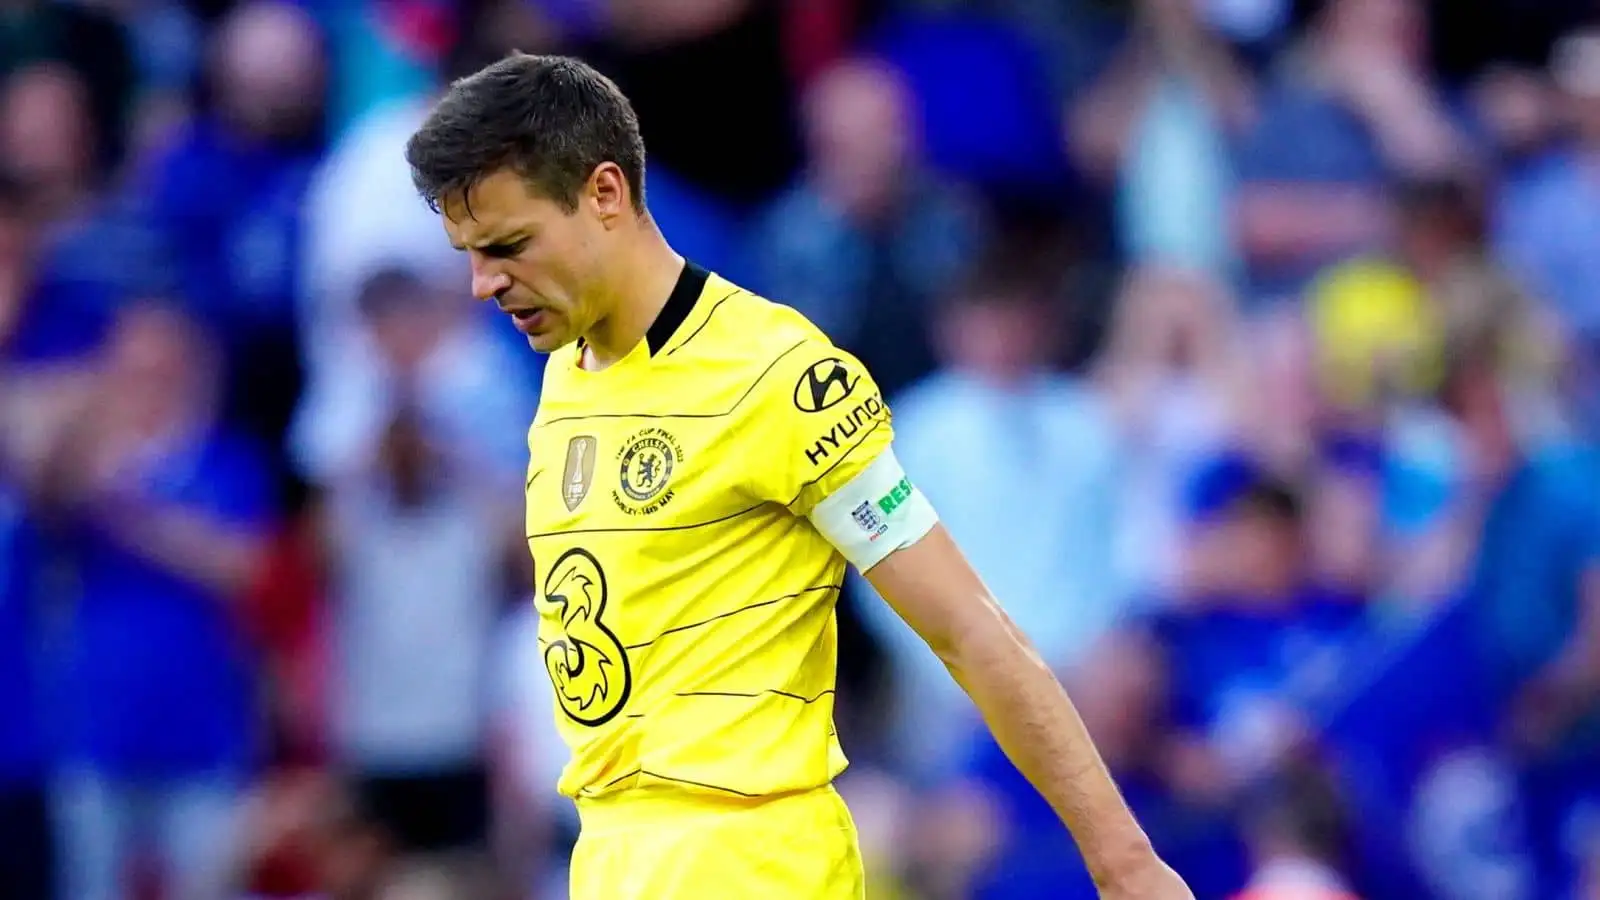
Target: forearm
1415, 134
1034, 721
192, 546
1279, 223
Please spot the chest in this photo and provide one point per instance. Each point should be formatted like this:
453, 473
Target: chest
631, 474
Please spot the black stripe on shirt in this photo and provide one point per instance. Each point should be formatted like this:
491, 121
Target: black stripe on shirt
732, 612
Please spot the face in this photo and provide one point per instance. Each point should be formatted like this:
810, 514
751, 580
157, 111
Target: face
157, 360
860, 131
269, 69
45, 131
1264, 552
1004, 338
538, 262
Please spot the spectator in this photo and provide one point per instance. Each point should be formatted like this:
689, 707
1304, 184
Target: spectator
869, 238
1467, 829
93, 45
1299, 838
1339, 118
422, 549
1534, 598
162, 511
26, 843
1169, 376
660, 51
86, 249
225, 199
49, 139
1157, 126
1254, 644
535, 826
1008, 145
1548, 227
429, 350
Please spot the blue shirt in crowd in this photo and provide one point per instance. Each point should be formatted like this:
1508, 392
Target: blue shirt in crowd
228, 214
22, 746
160, 681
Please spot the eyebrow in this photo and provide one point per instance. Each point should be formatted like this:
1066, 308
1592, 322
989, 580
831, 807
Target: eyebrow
497, 242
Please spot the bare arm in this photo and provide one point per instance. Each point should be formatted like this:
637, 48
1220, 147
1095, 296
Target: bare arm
866, 507
193, 545
1288, 221
931, 586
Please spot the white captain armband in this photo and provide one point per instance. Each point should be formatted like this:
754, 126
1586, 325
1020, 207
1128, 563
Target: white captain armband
875, 514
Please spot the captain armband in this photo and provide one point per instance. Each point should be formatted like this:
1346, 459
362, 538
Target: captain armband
878, 512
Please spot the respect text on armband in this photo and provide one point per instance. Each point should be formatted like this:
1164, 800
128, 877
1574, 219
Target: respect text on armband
844, 431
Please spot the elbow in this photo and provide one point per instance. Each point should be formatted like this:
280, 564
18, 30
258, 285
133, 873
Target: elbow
982, 640
949, 646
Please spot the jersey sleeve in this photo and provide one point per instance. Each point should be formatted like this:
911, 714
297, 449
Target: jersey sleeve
819, 421
822, 447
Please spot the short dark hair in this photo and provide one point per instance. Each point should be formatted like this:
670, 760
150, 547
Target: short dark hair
390, 289
1301, 803
550, 119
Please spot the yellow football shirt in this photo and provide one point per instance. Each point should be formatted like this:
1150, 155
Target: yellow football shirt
686, 604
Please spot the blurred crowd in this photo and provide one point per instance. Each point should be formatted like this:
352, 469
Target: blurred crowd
1250, 348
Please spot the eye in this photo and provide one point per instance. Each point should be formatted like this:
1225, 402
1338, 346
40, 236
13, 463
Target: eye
505, 251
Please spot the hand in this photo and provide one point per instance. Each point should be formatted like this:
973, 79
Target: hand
83, 466
1152, 880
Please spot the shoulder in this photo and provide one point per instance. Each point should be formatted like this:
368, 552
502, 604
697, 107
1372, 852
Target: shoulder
736, 317
743, 336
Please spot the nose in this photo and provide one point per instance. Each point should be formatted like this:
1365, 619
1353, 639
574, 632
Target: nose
488, 283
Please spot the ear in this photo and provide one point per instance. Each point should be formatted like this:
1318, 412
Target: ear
608, 190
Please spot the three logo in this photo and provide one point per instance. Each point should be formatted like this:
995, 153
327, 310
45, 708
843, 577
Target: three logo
588, 665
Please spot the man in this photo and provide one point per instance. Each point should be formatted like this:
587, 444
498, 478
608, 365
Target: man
703, 465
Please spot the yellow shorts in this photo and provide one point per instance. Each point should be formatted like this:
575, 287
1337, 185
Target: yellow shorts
655, 846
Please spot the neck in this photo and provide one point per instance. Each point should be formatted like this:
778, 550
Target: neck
642, 279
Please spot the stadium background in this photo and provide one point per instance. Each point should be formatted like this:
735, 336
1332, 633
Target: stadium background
1250, 347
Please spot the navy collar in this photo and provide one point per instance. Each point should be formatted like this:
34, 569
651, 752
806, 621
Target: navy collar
685, 294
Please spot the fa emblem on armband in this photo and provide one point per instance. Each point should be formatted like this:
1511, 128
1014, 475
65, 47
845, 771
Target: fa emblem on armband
867, 518
579, 472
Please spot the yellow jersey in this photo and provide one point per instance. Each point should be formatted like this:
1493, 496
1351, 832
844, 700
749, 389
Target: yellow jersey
686, 603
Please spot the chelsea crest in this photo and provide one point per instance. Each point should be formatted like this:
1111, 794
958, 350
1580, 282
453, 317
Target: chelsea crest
646, 461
